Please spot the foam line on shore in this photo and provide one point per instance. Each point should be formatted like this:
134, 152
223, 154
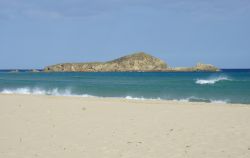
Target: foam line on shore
67, 92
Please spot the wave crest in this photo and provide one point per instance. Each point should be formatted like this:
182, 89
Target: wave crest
203, 100
38, 91
140, 98
212, 80
67, 92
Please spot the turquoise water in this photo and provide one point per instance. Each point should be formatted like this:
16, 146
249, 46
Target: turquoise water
231, 86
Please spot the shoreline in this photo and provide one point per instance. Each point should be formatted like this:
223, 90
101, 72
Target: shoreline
128, 98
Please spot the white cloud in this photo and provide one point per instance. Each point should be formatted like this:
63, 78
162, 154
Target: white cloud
82, 8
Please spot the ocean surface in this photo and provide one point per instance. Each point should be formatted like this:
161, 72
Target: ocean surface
227, 86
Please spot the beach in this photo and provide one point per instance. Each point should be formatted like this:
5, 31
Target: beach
57, 126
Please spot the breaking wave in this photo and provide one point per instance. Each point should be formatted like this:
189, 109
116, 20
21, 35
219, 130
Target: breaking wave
67, 92
212, 80
195, 99
141, 98
38, 91
189, 99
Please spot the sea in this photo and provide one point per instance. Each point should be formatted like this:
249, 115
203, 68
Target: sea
228, 86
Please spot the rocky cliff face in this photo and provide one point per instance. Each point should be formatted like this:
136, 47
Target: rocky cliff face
199, 67
206, 67
137, 62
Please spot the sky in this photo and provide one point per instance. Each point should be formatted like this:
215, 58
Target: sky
37, 33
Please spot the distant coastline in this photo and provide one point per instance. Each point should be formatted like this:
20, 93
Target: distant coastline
221, 70
136, 62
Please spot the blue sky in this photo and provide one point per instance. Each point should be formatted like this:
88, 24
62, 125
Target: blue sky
35, 33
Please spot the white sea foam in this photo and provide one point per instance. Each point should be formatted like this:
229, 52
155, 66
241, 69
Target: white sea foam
212, 80
196, 99
67, 92
39, 91
141, 98
36, 91
181, 100
220, 101
134, 98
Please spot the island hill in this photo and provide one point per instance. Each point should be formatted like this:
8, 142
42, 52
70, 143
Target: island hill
137, 62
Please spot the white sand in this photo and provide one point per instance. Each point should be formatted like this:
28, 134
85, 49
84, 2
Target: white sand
73, 127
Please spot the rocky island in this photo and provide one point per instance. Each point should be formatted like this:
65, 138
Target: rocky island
137, 62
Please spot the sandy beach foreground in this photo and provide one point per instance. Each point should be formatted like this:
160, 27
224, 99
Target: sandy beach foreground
50, 127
